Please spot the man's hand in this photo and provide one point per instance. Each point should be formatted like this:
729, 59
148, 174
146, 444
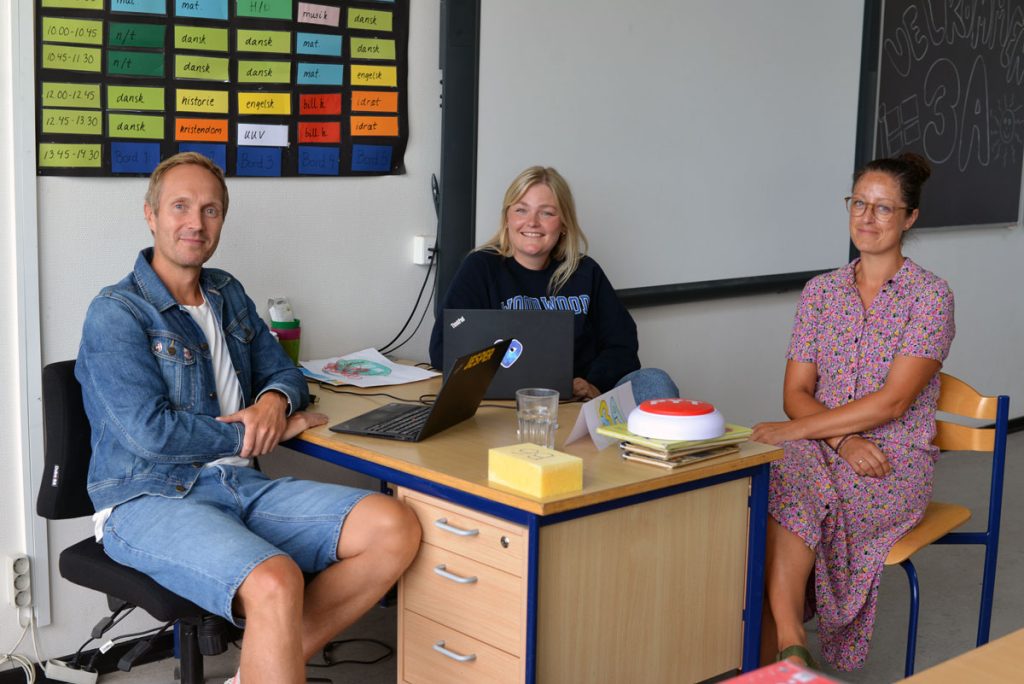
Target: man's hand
264, 424
583, 389
300, 421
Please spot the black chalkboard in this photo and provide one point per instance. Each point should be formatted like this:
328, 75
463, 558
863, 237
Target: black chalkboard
950, 86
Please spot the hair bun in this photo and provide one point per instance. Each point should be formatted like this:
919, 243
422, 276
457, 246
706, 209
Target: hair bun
917, 164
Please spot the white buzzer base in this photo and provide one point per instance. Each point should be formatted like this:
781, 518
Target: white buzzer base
685, 424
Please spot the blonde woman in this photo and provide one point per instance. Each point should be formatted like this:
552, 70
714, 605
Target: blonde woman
537, 260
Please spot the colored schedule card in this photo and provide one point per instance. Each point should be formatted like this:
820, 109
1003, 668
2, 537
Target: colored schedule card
70, 155
75, 4
319, 161
72, 121
264, 72
310, 13
266, 136
374, 101
371, 158
208, 101
81, 31
203, 68
258, 161
369, 20
217, 153
201, 129
134, 157
201, 38
135, 63
264, 41
201, 9
264, 9
71, 95
72, 58
372, 48
320, 74
140, 98
139, 6
264, 103
374, 75
135, 126
318, 44
121, 34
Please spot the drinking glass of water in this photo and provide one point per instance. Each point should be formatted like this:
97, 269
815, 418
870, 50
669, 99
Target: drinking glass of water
537, 411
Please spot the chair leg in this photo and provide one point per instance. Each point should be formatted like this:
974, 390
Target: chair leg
188, 647
908, 668
988, 586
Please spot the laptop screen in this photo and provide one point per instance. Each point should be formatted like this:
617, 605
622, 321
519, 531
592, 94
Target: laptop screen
540, 353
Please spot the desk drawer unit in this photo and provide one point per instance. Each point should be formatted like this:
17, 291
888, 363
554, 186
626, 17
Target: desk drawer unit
467, 589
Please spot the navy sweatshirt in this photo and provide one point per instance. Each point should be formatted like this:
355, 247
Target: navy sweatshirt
606, 341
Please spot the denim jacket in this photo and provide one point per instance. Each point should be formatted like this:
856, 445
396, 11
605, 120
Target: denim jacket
148, 383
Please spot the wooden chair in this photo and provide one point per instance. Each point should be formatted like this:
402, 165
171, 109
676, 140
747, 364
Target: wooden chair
940, 519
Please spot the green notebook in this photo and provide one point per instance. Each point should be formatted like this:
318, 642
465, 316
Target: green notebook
734, 434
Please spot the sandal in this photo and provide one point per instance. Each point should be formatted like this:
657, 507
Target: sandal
800, 652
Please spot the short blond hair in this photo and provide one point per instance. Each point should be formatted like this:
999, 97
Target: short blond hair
571, 247
156, 179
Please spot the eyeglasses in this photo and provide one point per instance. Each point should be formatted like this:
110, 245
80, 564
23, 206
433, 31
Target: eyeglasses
882, 212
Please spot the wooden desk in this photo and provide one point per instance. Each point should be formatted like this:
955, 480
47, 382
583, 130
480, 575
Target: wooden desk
644, 575
997, 661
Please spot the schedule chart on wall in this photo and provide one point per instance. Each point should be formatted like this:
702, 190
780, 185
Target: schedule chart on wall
262, 87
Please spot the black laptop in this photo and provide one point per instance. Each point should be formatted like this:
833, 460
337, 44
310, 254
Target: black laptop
457, 400
541, 348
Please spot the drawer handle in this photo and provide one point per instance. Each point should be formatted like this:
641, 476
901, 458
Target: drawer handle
439, 647
440, 570
442, 523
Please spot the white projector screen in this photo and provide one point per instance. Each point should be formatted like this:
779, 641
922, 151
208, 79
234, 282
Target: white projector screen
703, 139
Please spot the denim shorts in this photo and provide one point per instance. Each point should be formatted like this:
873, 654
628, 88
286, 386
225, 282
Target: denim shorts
204, 545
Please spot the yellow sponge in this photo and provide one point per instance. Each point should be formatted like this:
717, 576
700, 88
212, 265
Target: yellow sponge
535, 470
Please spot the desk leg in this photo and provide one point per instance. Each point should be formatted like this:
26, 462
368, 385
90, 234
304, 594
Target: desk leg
755, 568
532, 549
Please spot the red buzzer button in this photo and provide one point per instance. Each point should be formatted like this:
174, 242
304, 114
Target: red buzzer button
677, 407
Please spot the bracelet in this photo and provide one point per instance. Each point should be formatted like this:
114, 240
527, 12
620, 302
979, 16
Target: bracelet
843, 441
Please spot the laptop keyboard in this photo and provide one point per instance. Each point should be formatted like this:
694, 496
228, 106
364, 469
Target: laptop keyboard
404, 425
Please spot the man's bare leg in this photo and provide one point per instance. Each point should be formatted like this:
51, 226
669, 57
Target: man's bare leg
379, 540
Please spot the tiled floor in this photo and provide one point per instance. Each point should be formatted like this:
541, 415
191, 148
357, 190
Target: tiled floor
950, 579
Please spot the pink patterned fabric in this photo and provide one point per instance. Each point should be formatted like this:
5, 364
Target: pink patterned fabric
850, 521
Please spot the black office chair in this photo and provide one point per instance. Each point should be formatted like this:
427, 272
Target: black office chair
63, 495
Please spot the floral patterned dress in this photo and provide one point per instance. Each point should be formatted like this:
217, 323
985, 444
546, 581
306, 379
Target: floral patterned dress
851, 521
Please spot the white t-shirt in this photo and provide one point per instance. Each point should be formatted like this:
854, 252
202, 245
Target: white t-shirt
229, 392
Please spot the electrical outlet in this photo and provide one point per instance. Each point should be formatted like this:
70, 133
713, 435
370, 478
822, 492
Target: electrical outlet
421, 246
19, 582
59, 671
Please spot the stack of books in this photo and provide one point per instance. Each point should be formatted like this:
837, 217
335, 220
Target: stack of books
675, 454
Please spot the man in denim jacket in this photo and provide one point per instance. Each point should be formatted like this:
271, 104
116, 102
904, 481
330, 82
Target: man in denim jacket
184, 385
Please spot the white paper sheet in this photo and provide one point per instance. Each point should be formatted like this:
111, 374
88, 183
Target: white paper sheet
605, 409
366, 368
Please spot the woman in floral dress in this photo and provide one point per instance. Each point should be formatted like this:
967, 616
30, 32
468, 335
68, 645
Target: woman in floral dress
861, 387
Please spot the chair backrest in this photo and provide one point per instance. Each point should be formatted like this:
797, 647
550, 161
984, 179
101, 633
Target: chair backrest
958, 398
66, 446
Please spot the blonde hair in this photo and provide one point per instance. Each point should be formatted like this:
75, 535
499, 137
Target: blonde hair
156, 179
572, 244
